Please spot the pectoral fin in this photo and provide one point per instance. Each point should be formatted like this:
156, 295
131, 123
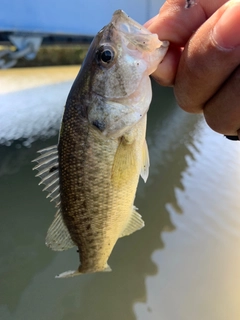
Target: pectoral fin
125, 165
145, 162
135, 223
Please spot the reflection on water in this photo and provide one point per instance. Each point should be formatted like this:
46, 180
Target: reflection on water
185, 264
199, 269
32, 102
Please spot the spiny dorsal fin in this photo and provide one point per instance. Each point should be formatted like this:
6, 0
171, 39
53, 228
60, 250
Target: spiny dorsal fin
145, 162
58, 237
48, 172
135, 223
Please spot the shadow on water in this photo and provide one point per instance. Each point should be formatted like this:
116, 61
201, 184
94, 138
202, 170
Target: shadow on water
131, 258
26, 263
21, 229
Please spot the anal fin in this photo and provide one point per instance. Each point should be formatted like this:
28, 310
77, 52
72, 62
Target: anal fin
135, 223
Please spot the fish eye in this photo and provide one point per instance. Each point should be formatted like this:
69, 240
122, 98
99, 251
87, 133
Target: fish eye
105, 55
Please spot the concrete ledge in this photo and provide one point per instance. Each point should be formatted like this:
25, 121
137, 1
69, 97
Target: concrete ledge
52, 55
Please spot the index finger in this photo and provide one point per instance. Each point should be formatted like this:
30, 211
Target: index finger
176, 24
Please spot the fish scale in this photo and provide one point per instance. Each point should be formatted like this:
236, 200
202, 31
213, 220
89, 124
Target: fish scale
93, 172
85, 184
94, 185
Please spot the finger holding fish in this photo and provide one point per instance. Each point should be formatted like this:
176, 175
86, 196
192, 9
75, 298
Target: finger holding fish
203, 59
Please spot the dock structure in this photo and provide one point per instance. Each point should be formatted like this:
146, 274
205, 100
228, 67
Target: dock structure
26, 24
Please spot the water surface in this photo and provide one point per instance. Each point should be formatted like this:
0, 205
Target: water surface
185, 263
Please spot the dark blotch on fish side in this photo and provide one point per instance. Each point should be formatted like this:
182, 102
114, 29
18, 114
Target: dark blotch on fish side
85, 219
88, 226
99, 125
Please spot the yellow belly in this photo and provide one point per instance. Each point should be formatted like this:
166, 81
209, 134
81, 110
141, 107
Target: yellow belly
98, 181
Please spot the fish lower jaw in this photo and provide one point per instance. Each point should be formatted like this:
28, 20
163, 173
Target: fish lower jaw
80, 271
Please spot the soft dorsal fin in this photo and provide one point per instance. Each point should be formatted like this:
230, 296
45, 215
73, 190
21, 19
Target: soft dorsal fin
135, 223
58, 237
145, 162
48, 172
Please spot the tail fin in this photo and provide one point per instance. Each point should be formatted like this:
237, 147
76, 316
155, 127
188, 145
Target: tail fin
71, 273
68, 274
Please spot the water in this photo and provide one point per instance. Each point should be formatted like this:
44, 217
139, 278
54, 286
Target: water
185, 263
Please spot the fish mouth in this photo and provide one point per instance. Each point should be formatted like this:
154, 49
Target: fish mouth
138, 36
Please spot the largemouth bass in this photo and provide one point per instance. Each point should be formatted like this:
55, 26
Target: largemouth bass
93, 172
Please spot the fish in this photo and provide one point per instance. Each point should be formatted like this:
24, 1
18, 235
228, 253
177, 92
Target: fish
93, 172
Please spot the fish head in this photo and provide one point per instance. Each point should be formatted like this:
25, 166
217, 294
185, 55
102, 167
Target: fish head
124, 52
115, 73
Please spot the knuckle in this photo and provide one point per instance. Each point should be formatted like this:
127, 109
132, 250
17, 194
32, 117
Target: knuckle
185, 100
220, 122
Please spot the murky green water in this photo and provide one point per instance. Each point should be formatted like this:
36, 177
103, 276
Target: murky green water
185, 263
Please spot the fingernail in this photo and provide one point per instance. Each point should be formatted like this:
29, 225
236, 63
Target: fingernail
226, 31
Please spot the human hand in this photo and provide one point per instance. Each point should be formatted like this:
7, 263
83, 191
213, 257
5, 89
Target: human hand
203, 61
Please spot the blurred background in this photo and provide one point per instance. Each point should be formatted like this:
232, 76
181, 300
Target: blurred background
185, 263
31, 30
